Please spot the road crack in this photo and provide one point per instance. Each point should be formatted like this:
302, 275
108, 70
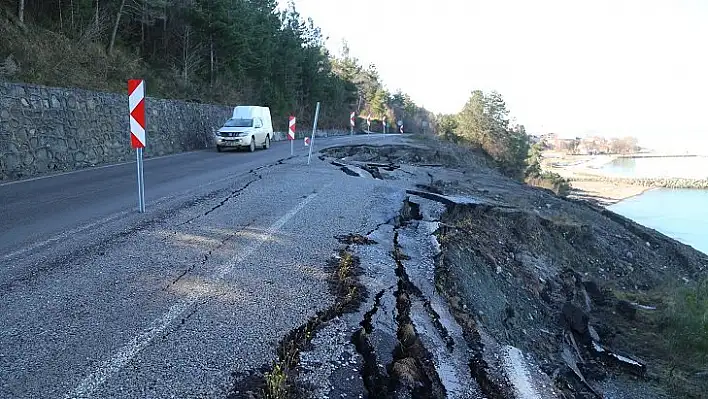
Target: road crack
375, 379
206, 256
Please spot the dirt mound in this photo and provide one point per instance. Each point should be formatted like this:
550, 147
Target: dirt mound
593, 298
429, 154
606, 307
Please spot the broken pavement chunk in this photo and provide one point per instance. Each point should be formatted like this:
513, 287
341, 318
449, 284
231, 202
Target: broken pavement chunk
576, 318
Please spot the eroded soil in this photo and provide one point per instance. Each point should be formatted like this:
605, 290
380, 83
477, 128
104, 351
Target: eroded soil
479, 286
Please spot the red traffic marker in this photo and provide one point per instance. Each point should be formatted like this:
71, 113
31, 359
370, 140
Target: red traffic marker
136, 102
307, 141
291, 128
352, 119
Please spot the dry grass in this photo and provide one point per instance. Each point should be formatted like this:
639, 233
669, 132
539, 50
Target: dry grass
276, 383
675, 335
550, 181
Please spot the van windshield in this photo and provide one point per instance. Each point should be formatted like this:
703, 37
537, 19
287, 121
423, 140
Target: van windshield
238, 122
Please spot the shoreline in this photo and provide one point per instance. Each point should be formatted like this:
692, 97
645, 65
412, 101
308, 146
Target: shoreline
590, 182
605, 193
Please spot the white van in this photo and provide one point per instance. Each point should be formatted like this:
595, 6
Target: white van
250, 126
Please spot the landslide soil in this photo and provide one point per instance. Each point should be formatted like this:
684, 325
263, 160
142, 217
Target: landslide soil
548, 275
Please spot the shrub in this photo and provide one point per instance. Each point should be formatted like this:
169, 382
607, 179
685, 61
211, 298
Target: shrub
551, 181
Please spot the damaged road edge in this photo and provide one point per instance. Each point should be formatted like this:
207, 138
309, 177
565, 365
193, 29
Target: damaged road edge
278, 380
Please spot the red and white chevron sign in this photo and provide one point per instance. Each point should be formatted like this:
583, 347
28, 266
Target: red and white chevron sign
352, 117
291, 128
136, 101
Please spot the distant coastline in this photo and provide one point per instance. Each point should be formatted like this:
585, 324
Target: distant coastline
590, 181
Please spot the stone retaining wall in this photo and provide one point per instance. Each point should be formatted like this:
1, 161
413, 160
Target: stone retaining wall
45, 130
657, 182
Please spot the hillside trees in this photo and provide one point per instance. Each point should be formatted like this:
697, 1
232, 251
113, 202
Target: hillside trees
220, 51
484, 122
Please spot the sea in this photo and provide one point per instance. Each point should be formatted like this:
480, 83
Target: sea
679, 213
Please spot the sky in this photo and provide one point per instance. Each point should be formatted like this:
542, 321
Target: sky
577, 68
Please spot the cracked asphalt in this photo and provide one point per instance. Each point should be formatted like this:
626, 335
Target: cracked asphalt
100, 301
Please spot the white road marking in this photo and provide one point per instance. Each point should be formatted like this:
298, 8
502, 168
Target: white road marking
103, 221
516, 371
94, 380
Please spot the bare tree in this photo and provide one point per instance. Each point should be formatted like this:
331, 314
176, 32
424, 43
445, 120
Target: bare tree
61, 19
190, 61
115, 28
21, 11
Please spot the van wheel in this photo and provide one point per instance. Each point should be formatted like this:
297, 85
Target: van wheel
252, 148
266, 144
218, 148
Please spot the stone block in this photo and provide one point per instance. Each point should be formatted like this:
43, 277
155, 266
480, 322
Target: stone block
63, 129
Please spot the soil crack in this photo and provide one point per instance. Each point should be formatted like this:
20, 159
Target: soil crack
413, 370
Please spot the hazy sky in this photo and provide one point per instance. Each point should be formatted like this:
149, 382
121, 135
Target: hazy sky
611, 67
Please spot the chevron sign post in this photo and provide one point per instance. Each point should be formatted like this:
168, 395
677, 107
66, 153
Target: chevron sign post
291, 133
136, 102
368, 123
352, 121
384, 124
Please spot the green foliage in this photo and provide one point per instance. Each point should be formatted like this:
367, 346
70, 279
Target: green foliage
551, 181
219, 51
534, 161
446, 125
276, 383
484, 121
686, 323
536, 177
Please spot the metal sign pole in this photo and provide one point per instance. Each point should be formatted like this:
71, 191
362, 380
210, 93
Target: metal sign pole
137, 164
141, 181
291, 147
314, 129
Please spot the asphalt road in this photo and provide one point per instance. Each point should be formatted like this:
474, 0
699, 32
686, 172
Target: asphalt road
97, 300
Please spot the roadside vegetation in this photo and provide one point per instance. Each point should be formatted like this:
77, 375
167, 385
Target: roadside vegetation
671, 328
214, 51
537, 177
484, 123
686, 321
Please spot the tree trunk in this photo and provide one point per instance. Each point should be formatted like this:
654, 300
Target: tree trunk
142, 27
164, 28
211, 52
185, 54
211, 60
21, 11
115, 27
96, 18
61, 20
72, 16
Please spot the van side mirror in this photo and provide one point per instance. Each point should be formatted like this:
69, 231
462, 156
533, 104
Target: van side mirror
258, 123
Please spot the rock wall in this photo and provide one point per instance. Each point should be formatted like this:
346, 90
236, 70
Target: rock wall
44, 129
